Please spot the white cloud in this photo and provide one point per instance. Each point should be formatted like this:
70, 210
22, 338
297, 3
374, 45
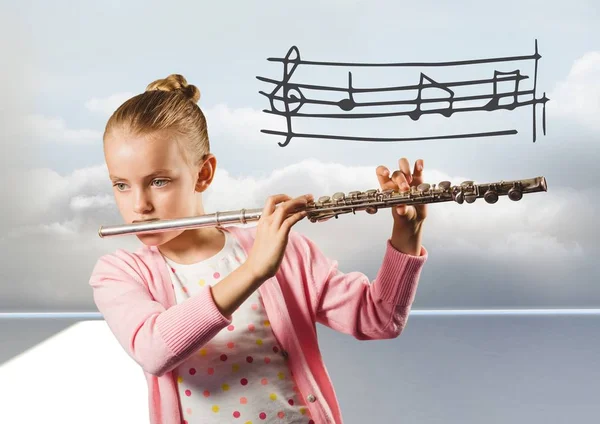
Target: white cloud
107, 105
44, 196
59, 230
241, 125
56, 130
82, 203
578, 96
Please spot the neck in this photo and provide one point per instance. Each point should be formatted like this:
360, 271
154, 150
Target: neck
194, 245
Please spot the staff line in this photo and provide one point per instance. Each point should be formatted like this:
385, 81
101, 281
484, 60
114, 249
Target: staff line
297, 62
292, 85
451, 98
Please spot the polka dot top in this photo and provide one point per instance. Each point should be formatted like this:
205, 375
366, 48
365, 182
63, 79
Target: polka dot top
241, 375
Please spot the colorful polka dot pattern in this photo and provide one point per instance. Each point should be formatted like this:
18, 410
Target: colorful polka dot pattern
241, 375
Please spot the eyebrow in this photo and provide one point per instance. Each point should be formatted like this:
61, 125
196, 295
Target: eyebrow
153, 174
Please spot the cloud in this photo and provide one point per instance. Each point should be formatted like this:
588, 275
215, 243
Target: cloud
107, 105
55, 130
240, 126
577, 96
59, 233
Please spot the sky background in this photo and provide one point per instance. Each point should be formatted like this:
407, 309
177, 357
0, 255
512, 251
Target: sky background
67, 66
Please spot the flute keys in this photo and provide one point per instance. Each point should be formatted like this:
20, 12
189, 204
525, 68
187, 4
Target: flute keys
423, 187
490, 196
372, 192
458, 197
354, 194
320, 218
466, 184
444, 185
338, 196
371, 210
323, 199
515, 194
470, 198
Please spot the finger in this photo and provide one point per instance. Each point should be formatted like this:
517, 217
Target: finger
401, 209
406, 210
400, 181
405, 168
293, 219
418, 172
383, 176
290, 207
269, 207
420, 210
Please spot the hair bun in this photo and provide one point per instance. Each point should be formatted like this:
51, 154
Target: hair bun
176, 82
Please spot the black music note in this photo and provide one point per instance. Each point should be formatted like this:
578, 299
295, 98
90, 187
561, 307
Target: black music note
349, 103
494, 103
416, 114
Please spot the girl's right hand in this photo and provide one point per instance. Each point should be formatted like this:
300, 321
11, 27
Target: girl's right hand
272, 233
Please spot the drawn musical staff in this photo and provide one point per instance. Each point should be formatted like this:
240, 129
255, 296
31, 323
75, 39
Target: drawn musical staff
291, 94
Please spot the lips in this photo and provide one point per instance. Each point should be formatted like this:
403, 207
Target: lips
146, 220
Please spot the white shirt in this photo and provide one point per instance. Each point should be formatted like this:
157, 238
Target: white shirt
240, 376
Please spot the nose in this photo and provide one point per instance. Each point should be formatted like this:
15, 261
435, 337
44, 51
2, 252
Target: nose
142, 205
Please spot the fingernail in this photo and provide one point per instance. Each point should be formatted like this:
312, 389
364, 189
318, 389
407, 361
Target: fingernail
404, 186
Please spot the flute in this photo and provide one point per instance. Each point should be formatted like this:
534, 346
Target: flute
340, 203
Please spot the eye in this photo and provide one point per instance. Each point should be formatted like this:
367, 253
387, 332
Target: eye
160, 182
120, 186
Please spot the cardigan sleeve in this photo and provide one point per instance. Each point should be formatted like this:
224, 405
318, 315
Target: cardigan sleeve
352, 304
158, 339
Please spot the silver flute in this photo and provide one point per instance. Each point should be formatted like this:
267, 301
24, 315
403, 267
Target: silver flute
340, 203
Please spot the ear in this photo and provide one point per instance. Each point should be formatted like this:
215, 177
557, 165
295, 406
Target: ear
206, 172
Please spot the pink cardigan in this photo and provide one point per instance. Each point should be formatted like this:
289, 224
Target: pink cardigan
133, 292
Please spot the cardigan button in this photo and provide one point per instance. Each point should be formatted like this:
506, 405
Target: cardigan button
311, 398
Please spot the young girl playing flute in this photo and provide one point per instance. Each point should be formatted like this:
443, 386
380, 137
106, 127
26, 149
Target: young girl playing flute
222, 320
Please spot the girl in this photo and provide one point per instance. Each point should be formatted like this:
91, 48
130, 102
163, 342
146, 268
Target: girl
222, 320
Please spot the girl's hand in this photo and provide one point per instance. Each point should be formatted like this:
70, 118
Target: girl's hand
272, 233
408, 219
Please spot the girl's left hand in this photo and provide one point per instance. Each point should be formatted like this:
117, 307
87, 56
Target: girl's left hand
406, 217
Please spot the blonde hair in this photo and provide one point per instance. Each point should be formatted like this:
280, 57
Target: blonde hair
168, 104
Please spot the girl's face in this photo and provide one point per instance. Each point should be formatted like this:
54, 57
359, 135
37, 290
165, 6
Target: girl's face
151, 180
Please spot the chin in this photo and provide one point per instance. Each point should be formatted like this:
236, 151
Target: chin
152, 239
156, 239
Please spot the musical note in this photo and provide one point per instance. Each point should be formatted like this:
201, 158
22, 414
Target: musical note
494, 103
291, 94
416, 114
349, 103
